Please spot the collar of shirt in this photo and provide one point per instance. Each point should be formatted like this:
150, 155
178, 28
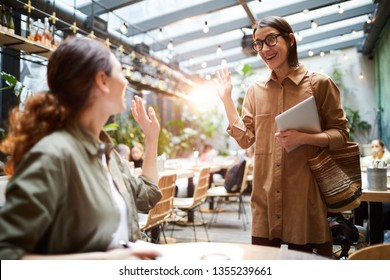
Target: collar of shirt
295, 76
92, 145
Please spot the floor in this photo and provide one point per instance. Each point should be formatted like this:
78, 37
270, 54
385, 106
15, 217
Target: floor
227, 227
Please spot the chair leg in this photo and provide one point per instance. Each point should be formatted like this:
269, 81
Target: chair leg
204, 225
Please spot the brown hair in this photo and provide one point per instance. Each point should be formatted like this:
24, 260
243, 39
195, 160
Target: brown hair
71, 73
285, 29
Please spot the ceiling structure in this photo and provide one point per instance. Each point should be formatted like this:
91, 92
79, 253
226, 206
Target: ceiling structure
153, 24
173, 31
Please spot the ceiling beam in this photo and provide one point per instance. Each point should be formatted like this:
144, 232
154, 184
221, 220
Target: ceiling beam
307, 40
243, 22
196, 10
235, 43
104, 6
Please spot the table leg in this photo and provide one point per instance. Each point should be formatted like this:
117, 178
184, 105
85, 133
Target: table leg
375, 225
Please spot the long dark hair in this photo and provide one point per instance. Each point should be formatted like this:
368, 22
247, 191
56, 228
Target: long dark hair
71, 73
283, 27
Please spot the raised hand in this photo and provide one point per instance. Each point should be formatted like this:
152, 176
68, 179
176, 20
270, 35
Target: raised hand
224, 84
147, 120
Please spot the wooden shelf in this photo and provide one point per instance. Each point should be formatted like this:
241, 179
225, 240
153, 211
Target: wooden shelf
16, 42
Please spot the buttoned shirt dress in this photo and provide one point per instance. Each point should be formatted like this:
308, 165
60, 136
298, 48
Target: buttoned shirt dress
59, 199
286, 201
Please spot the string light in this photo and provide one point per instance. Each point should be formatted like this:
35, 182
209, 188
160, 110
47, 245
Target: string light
322, 53
361, 77
204, 64
310, 53
205, 27
124, 28
160, 34
219, 50
299, 37
341, 10
313, 24
170, 45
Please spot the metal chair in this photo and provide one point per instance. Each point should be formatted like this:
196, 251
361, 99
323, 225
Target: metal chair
191, 204
156, 218
223, 196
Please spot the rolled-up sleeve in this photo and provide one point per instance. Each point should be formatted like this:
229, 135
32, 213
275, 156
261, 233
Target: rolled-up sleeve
333, 117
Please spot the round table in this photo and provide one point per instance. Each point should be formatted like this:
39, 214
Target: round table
226, 251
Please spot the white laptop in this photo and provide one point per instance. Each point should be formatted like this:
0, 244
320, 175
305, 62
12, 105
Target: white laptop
302, 117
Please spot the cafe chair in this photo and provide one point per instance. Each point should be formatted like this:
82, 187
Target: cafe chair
189, 205
374, 252
152, 223
223, 196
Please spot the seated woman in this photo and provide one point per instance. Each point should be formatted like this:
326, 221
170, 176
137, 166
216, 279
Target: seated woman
379, 152
136, 157
69, 195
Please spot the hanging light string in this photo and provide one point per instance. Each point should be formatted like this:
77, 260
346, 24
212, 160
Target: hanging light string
74, 27
53, 17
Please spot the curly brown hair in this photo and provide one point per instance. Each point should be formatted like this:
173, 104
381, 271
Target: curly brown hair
71, 73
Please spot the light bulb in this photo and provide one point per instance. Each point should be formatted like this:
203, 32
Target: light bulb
310, 53
313, 24
341, 10
219, 50
124, 28
170, 45
205, 27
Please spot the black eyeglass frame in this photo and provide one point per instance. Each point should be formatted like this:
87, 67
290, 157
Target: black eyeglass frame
265, 41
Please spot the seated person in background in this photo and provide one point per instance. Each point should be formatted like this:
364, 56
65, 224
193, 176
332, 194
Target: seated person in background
136, 156
124, 151
379, 152
69, 196
208, 153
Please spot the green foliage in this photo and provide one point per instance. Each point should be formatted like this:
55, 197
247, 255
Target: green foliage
20, 91
359, 130
191, 131
126, 130
244, 73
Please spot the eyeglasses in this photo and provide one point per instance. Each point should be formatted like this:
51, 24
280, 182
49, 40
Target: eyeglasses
271, 40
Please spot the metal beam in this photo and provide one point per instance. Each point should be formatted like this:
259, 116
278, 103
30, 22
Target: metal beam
166, 19
235, 43
240, 56
104, 6
243, 22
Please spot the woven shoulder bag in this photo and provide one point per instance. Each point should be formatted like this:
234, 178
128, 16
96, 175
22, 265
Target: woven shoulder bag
338, 176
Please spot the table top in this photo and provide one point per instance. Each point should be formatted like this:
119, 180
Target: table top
180, 173
371, 195
230, 251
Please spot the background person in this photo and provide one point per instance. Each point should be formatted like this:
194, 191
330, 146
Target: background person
70, 196
287, 206
378, 152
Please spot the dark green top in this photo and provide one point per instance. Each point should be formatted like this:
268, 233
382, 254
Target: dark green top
59, 199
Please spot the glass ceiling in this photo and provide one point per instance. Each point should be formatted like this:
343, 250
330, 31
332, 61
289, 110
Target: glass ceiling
157, 22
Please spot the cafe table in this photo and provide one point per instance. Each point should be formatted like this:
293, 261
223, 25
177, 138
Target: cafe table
226, 251
375, 213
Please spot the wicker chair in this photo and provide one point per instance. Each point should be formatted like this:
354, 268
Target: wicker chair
374, 252
191, 204
158, 215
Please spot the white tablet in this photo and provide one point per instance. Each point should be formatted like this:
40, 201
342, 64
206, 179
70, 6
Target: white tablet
302, 117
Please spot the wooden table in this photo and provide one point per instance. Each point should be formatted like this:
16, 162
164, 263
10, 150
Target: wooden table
226, 251
375, 215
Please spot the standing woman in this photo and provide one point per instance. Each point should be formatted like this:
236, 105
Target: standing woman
70, 194
287, 207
